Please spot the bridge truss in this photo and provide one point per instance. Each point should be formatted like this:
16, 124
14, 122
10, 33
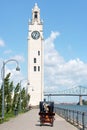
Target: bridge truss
75, 91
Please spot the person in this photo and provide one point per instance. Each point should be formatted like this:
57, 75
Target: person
30, 107
46, 107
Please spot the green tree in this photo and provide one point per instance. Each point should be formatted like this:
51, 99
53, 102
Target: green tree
0, 100
8, 93
12, 98
25, 99
84, 102
16, 97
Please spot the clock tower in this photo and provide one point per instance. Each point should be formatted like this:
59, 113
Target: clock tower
35, 58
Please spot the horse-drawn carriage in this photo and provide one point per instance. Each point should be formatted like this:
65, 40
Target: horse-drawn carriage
46, 113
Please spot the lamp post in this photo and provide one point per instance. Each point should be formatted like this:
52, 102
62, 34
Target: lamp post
20, 91
3, 77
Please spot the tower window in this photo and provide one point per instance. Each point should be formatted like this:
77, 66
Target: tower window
38, 53
35, 15
34, 68
34, 60
38, 68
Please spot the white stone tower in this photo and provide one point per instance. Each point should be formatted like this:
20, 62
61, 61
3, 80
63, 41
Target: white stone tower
35, 58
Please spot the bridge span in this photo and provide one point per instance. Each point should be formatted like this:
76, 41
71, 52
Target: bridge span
75, 91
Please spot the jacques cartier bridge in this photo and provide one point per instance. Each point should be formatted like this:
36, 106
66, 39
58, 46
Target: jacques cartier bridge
75, 91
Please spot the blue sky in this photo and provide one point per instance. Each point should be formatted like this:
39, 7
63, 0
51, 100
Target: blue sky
65, 35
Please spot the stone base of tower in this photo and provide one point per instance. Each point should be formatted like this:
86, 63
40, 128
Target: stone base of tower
35, 99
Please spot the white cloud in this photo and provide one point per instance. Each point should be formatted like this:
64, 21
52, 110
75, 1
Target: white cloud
8, 52
16, 76
2, 43
60, 74
19, 58
52, 57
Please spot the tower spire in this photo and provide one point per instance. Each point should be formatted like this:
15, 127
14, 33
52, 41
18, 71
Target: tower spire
36, 4
36, 14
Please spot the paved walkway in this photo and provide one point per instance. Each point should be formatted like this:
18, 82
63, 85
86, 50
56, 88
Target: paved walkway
30, 121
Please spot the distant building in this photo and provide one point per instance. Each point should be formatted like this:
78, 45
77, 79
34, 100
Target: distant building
35, 58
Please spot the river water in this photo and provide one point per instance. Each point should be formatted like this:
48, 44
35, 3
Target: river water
77, 117
82, 108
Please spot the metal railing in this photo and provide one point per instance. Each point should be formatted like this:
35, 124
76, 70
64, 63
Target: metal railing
77, 118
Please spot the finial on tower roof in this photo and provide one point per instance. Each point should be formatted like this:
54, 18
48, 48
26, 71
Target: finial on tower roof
35, 7
35, 4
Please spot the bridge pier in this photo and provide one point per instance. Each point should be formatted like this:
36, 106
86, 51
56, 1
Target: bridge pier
80, 100
49, 97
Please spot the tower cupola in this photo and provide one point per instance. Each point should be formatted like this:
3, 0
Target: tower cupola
36, 14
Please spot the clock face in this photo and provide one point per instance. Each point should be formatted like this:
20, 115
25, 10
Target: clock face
35, 35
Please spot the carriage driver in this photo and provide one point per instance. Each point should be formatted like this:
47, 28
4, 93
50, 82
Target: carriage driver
46, 107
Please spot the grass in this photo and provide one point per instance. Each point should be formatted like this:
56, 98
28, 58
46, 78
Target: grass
7, 117
10, 115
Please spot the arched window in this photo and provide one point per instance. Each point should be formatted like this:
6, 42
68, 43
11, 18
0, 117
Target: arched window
35, 15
